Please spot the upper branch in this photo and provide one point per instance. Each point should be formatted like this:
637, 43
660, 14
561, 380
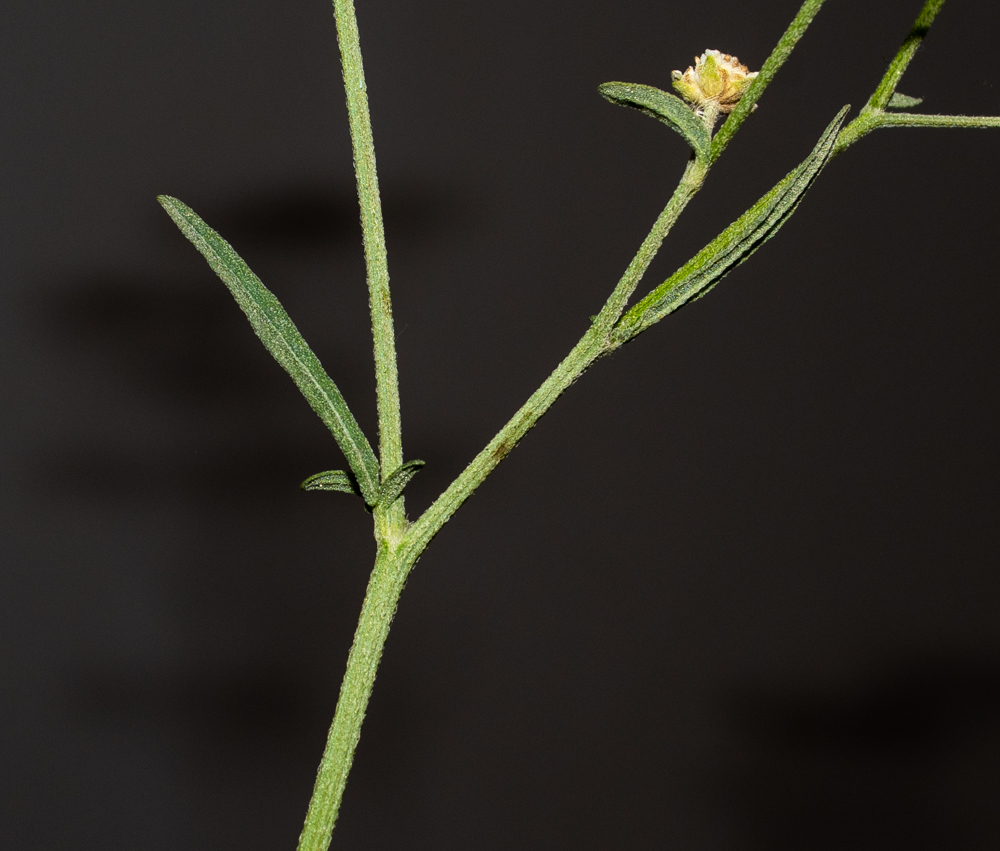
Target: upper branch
796, 29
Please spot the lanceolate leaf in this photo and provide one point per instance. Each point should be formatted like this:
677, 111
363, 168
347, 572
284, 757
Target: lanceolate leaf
901, 101
734, 245
332, 480
668, 108
283, 340
393, 486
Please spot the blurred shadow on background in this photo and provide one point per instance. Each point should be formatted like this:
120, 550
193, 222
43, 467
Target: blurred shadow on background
906, 759
295, 218
188, 347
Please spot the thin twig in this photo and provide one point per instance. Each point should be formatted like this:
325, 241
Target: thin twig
796, 29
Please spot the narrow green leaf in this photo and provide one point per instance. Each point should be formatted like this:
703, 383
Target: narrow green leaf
331, 480
735, 244
665, 107
901, 101
283, 341
396, 481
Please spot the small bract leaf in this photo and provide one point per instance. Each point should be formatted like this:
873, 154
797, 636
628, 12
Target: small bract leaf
331, 480
396, 481
665, 107
901, 101
733, 245
283, 341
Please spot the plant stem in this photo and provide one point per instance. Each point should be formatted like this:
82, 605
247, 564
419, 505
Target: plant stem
876, 119
783, 49
880, 97
591, 346
386, 375
392, 566
907, 119
400, 543
873, 115
691, 181
384, 587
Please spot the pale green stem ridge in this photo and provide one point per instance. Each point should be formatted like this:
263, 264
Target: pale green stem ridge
386, 374
771, 66
880, 98
381, 598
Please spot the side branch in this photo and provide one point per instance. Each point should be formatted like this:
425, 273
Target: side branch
796, 29
907, 50
591, 346
691, 181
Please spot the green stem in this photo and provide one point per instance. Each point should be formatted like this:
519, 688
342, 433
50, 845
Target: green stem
873, 115
392, 566
796, 29
886, 88
691, 181
404, 543
591, 346
386, 375
400, 543
906, 119
381, 598
875, 120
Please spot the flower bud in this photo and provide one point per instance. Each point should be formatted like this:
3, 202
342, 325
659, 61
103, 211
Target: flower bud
717, 81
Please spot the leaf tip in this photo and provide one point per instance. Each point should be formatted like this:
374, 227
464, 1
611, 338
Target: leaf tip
901, 101
331, 480
610, 91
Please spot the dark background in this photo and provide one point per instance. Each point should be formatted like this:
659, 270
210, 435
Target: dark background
737, 591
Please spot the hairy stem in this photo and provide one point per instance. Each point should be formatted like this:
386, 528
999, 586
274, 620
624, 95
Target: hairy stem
591, 346
906, 119
796, 29
873, 115
880, 97
386, 376
392, 566
691, 181
384, 587
875, 120
401, 544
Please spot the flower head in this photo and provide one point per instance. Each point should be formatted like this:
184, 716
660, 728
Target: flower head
717, 79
